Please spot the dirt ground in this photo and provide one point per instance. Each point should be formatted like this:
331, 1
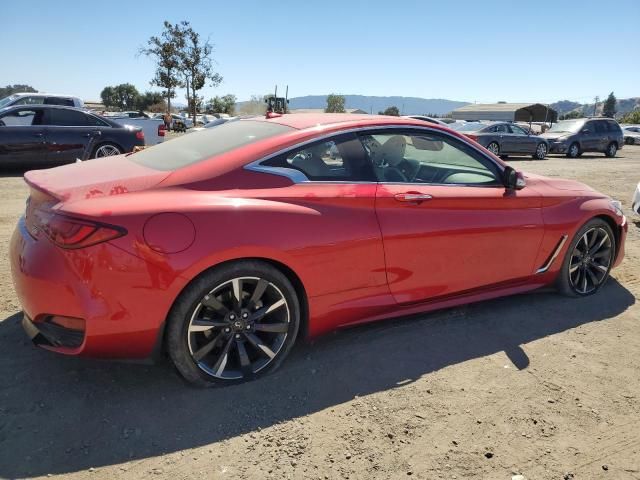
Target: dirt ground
536, 384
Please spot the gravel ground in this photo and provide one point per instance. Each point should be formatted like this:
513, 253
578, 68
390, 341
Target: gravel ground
535, 384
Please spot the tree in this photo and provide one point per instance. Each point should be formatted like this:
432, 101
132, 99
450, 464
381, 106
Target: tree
11, 89
631, 117
255, 106
149, 99
196, 64
393, 111
335, 104
226, 104
571, 115
124, 96
609, 107
166, 50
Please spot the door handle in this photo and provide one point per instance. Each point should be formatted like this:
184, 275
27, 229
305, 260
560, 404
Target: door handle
412, 197
37, 134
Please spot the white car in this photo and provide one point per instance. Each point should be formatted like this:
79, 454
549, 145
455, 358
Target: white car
635, 204
153, 128
188, 123
41, 99
631, 134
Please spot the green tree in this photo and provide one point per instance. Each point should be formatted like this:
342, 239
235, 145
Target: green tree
166, 51
571, 115
335, 104
124, 96
392, 110
609, 107
196, 65
226, 104
11, 89
148, 99
631, 117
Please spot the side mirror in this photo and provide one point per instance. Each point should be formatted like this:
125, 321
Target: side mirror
585, 130
513, 180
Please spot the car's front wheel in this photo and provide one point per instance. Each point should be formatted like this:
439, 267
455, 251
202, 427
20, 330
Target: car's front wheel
541, 151
232, 324
494, 148
574, 150
588, 260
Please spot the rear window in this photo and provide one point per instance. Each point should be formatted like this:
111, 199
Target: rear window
197, 146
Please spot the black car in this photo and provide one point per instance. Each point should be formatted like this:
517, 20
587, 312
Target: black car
574, 137
48, 134
504, 138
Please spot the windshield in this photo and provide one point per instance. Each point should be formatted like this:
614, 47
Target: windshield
7, 100
467, 127
198, 146
568, 126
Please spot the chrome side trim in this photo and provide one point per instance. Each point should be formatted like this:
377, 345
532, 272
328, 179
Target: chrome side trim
553, 256
296, 176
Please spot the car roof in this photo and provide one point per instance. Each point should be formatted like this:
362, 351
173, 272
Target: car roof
45, 94
302, 121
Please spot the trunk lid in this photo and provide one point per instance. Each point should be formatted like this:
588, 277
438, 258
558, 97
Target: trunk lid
94, 178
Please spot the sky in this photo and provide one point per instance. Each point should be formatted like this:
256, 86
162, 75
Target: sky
475, 51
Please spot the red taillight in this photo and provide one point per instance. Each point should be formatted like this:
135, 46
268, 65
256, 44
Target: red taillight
140, 135
69, 232
162, 129
473, 137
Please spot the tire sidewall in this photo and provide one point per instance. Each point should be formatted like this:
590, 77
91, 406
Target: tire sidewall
577, 154
182, 310
95, 150
537, 154
563, 282
612, 150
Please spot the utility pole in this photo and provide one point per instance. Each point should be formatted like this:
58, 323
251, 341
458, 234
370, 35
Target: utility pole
595, 104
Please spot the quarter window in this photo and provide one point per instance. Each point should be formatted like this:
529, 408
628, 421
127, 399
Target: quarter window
517, 130
67, 118
21, 118
427, 158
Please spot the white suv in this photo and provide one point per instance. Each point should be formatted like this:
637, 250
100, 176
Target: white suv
41, 99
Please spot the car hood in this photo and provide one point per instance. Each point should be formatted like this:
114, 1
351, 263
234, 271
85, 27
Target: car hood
101, 177
555, 135
562, 184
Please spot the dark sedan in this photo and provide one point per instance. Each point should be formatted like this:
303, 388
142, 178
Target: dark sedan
45, 134
503, 138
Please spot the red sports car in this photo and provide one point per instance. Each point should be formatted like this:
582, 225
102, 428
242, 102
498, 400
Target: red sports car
224, 246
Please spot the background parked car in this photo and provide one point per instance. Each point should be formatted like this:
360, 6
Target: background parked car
153, 128
41, 99
177, 121
574, 137
631, 134
424, 118
39, 134
503, 138
214, 123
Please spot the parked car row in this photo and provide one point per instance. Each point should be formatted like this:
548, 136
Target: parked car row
631, 134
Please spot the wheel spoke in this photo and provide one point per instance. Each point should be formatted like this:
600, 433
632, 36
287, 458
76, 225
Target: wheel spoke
245, 363
593, 277
200, 354
605, 237
236, 283
602, 253
203, 325
210, 301
275, 306
584, 281
271, 327
256, 342
221, 363
261, 286
602, 268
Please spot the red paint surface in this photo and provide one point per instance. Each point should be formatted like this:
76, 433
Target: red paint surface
359, 254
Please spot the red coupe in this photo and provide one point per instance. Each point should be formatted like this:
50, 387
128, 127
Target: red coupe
222, 247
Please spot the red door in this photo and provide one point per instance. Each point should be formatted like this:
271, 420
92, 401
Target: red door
459, 238
448, 224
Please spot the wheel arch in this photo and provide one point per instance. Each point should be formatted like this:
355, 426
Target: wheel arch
160, 345
615, 228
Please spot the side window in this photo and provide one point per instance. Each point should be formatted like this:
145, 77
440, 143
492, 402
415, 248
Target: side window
65, 102
613, 126
66, 118
23, 117
600, 127
517, 130
30, 100
96, 122
428, 158
502, 128
340, 159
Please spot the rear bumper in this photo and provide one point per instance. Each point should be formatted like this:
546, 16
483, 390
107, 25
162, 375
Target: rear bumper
121, 298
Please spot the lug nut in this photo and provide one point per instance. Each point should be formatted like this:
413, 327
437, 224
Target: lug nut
237, 335
232, 317
227, 330
248, 327
245, 315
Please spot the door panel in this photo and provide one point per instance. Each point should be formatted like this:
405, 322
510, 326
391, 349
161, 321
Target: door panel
460, 238
66, 144
22, 138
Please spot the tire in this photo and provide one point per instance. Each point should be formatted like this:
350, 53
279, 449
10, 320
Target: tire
574, 279
628, 141
611, 150
213, 342
106, 150
541, 151
494, 148
574, 150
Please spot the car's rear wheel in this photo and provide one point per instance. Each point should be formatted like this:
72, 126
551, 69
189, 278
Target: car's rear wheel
611, 150
588, 260
494, 148
574, 150
232, 324
541, 151
106, 150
